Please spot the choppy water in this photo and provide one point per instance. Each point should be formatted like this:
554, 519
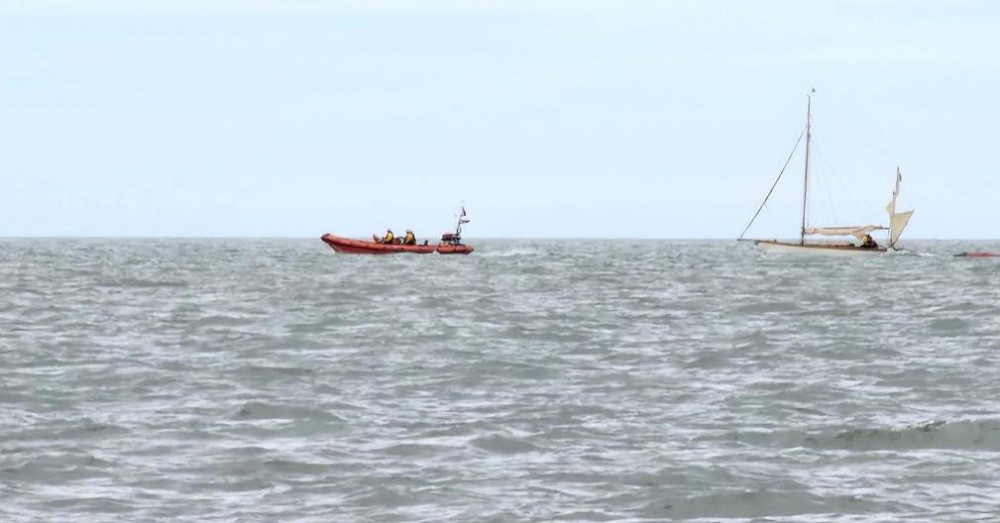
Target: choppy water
274, 380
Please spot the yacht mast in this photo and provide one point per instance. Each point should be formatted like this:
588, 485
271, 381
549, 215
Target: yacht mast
805, 183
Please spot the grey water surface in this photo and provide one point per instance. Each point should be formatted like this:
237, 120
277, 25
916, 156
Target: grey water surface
274, 380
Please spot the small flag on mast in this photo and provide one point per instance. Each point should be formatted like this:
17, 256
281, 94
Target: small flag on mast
462, 218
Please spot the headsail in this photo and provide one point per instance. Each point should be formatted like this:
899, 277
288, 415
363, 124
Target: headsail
897, 221
897, 224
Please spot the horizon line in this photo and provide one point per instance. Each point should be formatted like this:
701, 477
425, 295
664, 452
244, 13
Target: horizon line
541, 238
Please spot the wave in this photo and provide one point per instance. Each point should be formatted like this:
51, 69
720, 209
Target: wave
61, 467
500, 444
508, 253
142, 284
955, 435
762, 502
256, 410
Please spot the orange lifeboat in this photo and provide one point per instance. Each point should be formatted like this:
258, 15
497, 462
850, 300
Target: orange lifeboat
451, 243
353, 246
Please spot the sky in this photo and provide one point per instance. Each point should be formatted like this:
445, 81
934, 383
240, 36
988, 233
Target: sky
598, 119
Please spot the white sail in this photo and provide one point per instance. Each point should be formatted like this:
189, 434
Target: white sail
895, 194
897, 221
858, 231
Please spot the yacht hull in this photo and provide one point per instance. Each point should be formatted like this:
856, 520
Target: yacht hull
826, 249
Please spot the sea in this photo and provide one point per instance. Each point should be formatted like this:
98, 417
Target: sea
259, 380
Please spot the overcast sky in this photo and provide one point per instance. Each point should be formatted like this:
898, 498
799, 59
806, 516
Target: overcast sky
617, 118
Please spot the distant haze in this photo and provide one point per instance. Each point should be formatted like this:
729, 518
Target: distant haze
624, 118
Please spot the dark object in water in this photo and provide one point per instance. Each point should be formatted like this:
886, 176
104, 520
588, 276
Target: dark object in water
978, 254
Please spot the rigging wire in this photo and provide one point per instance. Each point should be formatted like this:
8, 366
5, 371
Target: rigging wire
851, 184
828, 192
831, 171
775, 184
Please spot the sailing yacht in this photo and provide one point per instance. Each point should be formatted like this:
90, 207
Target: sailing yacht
897, 220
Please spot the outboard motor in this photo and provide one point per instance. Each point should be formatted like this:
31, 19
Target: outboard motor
455, 238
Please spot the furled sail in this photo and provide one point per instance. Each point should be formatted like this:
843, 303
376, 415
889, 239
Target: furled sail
858, 231
897, 221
